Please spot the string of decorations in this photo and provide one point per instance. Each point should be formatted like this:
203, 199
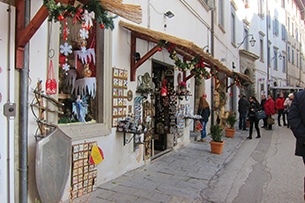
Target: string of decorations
84, 14
236, 79
196, 65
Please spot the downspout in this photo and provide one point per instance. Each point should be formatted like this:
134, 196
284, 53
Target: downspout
212, 54
23, 128
268, 54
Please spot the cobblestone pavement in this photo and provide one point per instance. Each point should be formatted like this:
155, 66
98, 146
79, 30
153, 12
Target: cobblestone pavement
178, 176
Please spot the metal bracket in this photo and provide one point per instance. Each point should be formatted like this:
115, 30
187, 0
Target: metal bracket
9, 109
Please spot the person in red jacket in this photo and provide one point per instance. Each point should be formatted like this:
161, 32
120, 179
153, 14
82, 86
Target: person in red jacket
279, 105
269, 110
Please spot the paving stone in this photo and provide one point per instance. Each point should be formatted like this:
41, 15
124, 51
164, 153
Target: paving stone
176, 177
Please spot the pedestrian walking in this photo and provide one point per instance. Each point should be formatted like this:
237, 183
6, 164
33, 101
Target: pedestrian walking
279, 105
204, 111
269, 111
254, 106
263, 101
296, 120
287, 105
243, 106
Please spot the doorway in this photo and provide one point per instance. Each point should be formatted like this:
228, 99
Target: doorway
163, 79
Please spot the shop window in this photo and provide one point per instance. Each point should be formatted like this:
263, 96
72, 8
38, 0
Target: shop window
78, 73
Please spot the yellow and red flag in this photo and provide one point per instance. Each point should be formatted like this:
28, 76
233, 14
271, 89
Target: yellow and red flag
96, 156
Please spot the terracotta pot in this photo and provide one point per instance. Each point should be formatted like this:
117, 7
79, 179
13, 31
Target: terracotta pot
230, 132
216, 147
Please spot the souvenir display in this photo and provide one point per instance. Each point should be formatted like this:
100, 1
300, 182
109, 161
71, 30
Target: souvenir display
119, 95
84, 170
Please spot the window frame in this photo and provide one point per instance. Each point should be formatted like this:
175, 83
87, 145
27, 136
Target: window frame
102, 126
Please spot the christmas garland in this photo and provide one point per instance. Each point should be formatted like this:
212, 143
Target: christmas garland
195, 65
59, 12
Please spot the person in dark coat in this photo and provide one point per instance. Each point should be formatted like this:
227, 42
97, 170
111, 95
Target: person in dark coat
254, 106
263, 101
204, 112
296, 120
243, 106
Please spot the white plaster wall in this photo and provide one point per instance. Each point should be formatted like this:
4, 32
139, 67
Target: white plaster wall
7, 96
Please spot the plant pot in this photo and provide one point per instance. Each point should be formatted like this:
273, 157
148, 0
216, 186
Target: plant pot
216, 147
230, 132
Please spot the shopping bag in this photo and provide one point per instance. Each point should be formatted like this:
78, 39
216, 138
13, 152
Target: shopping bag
51, 84
198, 126
260, 114
270, 121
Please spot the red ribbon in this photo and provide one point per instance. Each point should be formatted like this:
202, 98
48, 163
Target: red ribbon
77, 16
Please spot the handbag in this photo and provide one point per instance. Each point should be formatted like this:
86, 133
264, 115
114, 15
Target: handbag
51, 84
199, 126
270, 121
260, 114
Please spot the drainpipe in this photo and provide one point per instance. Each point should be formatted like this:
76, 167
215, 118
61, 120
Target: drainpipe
268, 54
212, 54
23, 128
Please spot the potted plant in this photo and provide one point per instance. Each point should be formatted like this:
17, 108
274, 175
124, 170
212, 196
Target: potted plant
216, 142
231, 120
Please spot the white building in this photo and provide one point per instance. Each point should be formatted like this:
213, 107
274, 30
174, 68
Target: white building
122, 72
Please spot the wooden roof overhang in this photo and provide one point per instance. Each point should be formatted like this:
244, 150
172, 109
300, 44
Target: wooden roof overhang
185, 48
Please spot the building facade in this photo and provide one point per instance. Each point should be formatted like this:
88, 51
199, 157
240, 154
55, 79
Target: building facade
127, 87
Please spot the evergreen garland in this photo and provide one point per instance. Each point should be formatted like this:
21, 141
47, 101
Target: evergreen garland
195, 65
58, 12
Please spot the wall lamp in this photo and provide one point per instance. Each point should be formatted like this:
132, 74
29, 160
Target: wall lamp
252, 40
206, 48
169, 14
137, 56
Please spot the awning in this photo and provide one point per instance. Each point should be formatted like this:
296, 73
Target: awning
183, 47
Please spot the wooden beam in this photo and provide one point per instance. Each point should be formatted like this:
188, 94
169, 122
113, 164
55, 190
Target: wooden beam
24, 34
146, 56
135, 64
188, 77
133, 43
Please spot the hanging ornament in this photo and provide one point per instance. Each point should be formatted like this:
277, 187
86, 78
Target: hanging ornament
77, 16
51, 84
83, 33
66, 66
84, 55
65, 49
88, 18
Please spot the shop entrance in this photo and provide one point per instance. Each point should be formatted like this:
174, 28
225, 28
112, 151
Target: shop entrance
163, 79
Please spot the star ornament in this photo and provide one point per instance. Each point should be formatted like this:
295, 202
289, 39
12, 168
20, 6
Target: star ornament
65, 49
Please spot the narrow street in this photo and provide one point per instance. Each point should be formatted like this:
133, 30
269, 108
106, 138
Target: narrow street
259, 170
